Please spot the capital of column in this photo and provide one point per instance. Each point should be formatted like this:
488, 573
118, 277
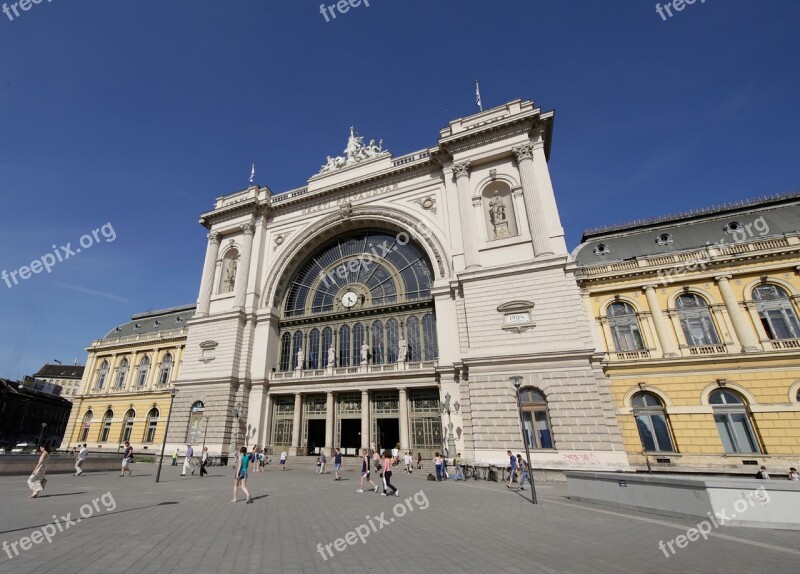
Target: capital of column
248, 229
649, 287
214, 237
524, 151
461, 169
721, 278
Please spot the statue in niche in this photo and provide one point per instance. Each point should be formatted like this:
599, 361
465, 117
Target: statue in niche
230, 274
402, 352
331, 357
364, 354
300, 358
497, 215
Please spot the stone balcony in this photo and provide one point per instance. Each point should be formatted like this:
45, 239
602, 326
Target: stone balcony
417, 367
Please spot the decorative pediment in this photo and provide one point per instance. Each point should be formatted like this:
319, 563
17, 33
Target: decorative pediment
355, 152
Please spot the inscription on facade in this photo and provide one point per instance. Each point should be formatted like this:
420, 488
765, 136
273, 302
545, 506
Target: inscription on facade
322, 205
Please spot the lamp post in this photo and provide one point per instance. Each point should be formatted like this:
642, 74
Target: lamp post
41, 433
172, 392
517, 383
205, 432
451, 440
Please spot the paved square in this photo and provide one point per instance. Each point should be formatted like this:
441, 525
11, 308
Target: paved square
190, 525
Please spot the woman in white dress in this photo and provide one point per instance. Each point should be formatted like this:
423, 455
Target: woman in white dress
37, 481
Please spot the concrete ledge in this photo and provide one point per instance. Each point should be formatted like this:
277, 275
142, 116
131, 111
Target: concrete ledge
23, 464
743, 502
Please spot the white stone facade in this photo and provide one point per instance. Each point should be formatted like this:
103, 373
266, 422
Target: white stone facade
479, 205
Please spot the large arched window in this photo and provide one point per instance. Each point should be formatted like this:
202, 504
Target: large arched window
152, 423
392, 340
733, 422
696, 322
358, 340
106, 428
286, 351
102, 373
344, 346
652, 423
166, 370
776, 312
87, 424
297, 346
141, 375
535, 418
327, 341
122, 374
378, 344
195, 422
313, 349
625, 330
413, 336
127, 425
429, 332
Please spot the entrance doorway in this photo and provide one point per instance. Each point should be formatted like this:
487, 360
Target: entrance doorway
316, 436
388, 434
350, 442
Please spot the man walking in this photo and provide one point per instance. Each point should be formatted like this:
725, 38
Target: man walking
127, 457
513, 463
187, 461
284, 456
365, 471
203, 461
337, 464
525, 473
79, 460
322, 461
409, 460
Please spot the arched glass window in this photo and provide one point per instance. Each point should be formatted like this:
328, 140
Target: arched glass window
297, 345
344, 346
412, 335
652, 423
313, 349
87, 423
358, 340
695, 317
327, 341
377, 343
101, 375
535, 418
195, 422
166, 370
431, 344
141, 375
776, 312
286, 351
392, 340
733, 422
121, 374
152, 423
106, 429
624, 325
127, 425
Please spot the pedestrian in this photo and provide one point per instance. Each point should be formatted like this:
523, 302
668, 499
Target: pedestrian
445, 474
396, 454
387, 475
762, 474
187, 460
322, 461
513, 470
337, 464
437, 463
793, 474
37, 480
284, 456
84, 452
525, 471
175, 456
365, 471
459, 468
409, 461
241, 476
127, 457
419, 461
203, 462
377, 463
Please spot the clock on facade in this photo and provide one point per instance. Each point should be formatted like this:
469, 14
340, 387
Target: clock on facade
349, 299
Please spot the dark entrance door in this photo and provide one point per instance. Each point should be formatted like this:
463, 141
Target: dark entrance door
350, 436
316, 435
388, 434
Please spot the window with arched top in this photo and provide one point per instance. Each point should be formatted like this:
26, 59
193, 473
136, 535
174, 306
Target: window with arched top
141, 374
776, 311
624, 324
413, 337
195, 422
122, 373
106, 428
127, 425
378, 343
298, 359
327, 341
733, 422
166, 370
358, 341
152, 424
313, 349
392, 340
230, 266
696, 321
286, 352
344, 346
102, 373
651, 420
87, 424
535, 418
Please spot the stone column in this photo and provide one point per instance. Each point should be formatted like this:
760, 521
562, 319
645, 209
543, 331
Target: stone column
365, 419
243, 273
298, 407
329, 412
207, 282
534, 203
403, 420
744, 333
469, 231
266, 431
667, 341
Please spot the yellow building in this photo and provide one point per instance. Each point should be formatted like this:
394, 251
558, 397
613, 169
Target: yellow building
125, 390
698, 315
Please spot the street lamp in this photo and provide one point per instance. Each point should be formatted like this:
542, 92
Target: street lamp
517, 382
172, 392
44, 426
205, 432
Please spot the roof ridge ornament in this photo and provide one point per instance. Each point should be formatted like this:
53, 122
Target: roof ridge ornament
355, 152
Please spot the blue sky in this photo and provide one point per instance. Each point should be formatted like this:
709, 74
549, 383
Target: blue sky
139, 114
